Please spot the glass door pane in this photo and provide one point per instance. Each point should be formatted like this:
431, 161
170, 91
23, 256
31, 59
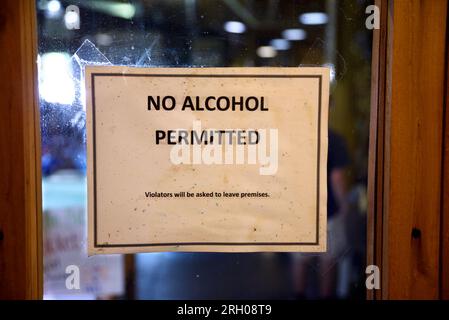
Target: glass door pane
203, 33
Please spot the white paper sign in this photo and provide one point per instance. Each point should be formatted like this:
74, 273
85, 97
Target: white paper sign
210, 159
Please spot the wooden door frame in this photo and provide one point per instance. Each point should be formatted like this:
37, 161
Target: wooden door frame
444, 273
20, 164
408, 217
406, 195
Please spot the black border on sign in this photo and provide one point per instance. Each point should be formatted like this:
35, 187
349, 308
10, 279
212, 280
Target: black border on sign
315, 243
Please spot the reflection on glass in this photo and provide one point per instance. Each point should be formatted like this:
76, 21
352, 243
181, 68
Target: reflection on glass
202, 33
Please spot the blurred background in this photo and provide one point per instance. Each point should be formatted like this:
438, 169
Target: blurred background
203, 33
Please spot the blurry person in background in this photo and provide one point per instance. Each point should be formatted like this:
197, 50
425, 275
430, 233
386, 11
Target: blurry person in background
337, 210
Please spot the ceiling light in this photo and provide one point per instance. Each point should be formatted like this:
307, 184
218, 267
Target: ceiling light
313, 18
114, 8
266, 52
234, 27
53, 6
71, 19
280, 44
294, 34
